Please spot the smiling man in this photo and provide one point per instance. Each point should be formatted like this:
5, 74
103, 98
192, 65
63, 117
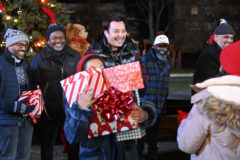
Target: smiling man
15, 129
113, 45
54, 63
116, 48
208, 63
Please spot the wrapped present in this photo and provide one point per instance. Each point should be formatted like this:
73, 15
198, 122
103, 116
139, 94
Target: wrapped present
126, 77
111, 113
92, 79
36, 99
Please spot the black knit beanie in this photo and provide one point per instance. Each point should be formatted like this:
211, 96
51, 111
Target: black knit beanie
224, 28
52, 28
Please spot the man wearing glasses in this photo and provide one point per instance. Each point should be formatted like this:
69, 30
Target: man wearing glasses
54, 63
15, 129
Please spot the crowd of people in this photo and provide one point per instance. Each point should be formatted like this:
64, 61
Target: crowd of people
211, 131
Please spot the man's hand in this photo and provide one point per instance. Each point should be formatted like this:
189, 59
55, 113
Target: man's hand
86, 99
139, 115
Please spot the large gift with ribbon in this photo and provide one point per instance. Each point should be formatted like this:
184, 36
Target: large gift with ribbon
89, 79
113, 108
36, 99
111, 113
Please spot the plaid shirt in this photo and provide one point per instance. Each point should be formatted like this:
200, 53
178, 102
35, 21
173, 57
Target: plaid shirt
158, 72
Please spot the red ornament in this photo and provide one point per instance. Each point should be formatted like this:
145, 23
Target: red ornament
61, 11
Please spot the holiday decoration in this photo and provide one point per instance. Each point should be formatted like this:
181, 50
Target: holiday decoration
89, 79
35, 98
126, 77
78, 35
32, 17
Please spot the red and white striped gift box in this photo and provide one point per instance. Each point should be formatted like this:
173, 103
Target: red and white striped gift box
92, 79
35, 98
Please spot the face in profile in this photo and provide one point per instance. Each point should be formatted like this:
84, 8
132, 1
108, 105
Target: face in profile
56, 40
223, 40
116, 34
18, 49
94, 64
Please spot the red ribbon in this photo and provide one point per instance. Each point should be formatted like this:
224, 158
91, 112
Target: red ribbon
75, 39
50, 13
2, 7
113, 102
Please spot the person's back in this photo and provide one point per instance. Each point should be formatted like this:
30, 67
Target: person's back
212, 128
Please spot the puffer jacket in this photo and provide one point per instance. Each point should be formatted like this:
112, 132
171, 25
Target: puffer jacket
47, 73
101, 47
9, 88
212, 129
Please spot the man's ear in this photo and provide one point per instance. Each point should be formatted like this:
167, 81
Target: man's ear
106, 33
215, 37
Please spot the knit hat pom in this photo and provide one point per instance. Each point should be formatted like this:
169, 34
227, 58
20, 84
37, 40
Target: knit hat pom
224, 28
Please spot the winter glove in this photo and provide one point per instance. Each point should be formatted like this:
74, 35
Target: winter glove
21, 108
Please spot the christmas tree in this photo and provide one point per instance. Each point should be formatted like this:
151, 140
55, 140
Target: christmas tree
33, 17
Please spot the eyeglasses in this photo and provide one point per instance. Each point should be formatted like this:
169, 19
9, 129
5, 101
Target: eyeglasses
21, 45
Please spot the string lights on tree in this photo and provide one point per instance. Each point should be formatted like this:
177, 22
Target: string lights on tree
33, 17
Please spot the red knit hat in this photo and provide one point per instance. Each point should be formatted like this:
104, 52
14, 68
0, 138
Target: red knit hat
87, 57
230, 58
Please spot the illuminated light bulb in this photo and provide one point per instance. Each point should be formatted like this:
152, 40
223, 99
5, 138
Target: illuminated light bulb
8, 17
31, 50
43, 1
0, 11
30, 37
52, 5
15, 20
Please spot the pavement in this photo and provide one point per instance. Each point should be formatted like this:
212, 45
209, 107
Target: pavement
167, 145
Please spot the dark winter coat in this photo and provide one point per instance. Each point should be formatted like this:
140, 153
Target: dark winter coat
48, 71
10, 89
101, 47
208, 63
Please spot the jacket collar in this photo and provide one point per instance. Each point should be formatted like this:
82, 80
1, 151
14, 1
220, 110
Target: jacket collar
215, 45
9, 58
47, 55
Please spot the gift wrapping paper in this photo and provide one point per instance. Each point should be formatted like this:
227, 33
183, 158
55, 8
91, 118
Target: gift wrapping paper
98, 126
92, 79
35, 98
126, 77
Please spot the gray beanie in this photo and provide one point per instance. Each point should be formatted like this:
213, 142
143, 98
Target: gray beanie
224, 28
13, 36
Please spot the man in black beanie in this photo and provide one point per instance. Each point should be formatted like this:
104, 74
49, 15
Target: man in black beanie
208, 63
54, 63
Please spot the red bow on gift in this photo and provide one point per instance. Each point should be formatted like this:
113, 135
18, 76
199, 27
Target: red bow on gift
113, 102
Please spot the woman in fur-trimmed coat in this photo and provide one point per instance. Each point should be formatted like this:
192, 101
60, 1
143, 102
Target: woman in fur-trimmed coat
212, 129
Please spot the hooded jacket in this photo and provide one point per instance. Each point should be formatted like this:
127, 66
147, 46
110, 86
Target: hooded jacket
212, 129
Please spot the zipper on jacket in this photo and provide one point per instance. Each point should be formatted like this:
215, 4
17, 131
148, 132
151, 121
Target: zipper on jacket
45, 89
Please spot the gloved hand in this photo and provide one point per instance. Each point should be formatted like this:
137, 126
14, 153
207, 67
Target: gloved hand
21, 108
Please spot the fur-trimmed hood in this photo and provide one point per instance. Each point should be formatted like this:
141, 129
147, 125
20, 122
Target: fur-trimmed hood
221, 112
220, 101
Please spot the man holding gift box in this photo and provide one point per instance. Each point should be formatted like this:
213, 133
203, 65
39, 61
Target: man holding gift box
54, 63
15, 129
116, 48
